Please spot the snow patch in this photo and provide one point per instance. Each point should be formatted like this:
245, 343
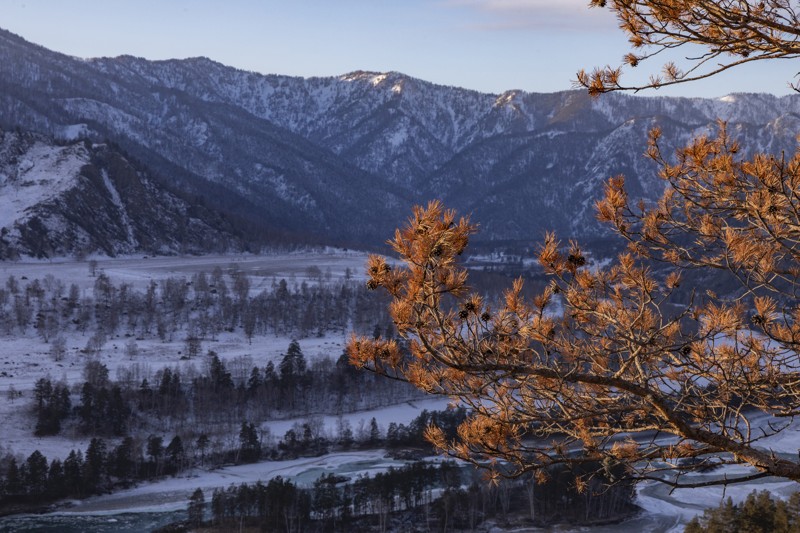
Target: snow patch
375, 80
123, 213
397, 138
43, 173
403, 413
24, 165
74, 132
505, 99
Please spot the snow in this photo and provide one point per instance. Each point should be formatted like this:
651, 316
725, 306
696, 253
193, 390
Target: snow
787, 441
506, 99
398, 137
43, 173
173, 493
657, 499
399, 414
25, 358
286, 190
73, 132
115, 198
376, 80
140, 270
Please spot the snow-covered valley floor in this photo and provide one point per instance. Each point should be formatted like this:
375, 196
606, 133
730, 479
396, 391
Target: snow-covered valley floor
25, 357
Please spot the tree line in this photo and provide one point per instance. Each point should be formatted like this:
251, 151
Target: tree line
210, 400
103, 466
191, 310
760, 512
441, 497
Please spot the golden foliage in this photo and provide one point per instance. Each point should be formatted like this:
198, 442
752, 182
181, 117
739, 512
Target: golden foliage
604, 360
731, 32
619, 364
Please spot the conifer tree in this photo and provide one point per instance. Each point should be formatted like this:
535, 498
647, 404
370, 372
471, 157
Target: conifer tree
731, 32
175, 453
610, 360
250, 445
293, 363
36, 469
56, 487
196, 508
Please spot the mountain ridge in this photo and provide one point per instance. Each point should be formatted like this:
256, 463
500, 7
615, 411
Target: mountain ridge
342, 159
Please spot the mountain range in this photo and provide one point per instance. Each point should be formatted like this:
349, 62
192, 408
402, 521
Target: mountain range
335, 159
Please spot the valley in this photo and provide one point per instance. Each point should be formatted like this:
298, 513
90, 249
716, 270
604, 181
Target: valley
26, 358
183, 262
341, 160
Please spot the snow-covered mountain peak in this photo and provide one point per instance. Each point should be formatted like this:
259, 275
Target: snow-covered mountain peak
317, 155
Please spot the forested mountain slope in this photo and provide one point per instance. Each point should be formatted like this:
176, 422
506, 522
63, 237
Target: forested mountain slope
73, 198
342, 159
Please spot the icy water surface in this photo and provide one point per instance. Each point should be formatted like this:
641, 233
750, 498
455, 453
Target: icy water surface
65, 523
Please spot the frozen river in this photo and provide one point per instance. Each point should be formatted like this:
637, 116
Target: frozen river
152, 505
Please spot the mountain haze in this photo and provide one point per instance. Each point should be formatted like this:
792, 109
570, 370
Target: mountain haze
342, 159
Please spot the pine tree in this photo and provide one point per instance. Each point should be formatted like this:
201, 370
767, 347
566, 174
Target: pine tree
528, 370
196, 508
374, 432
155, 449
759, 513
36, 470
293, 364
94, 467
73, 473
254, 382
728, 32
56, 486
249, 444
202, 444
175, 454
13, 483
218, 374
121, 461
603, 354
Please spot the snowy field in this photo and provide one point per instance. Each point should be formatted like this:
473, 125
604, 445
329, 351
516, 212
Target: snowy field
159, 502
153, 504
139, 270
25, 358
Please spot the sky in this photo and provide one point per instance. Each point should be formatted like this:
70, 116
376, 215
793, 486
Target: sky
486, 45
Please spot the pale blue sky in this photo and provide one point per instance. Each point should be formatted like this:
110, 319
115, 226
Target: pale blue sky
487, 45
